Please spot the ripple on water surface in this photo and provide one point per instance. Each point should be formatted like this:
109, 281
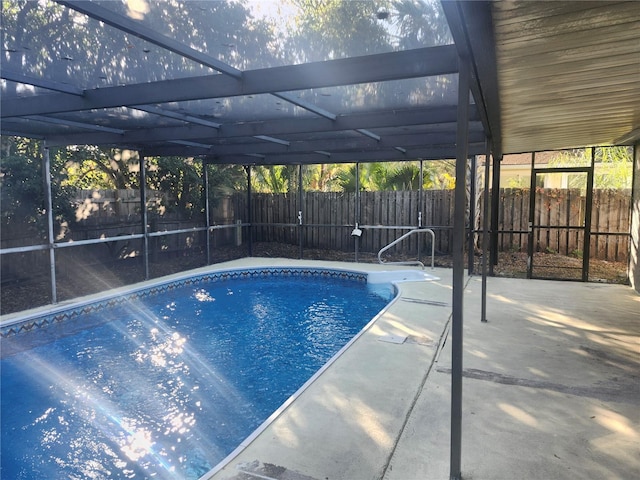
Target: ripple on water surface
173, 383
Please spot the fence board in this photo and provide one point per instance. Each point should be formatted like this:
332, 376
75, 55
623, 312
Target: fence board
313, 211
595, 224
344, 219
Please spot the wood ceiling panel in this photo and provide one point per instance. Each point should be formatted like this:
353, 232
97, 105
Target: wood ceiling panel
624, 84
574, 19
569, 72
511, 11
597, 35
566, 53
583, 71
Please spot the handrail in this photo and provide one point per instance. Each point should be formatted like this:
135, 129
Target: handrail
408, 234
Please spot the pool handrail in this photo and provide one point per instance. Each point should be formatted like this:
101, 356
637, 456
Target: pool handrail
408, 234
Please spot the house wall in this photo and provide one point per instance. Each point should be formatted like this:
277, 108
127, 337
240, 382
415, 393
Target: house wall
634, 257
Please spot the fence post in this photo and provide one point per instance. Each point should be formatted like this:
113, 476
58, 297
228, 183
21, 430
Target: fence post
458, 267
485, 227
207, 220
495, 210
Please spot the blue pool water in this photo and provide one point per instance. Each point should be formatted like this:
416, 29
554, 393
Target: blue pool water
173, 382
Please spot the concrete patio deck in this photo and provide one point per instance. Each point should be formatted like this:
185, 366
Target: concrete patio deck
551, 390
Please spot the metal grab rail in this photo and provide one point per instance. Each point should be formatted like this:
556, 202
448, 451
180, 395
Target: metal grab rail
408, 234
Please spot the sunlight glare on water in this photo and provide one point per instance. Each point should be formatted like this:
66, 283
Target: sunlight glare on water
171, 384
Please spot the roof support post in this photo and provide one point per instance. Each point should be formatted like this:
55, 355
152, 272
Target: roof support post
532, 216
207, 220
420, 202
357, 210
249, 220
46, 173
458, 267
420, 194
634, 226
586, 251
300, 210
485, 230
143, 215
495, 211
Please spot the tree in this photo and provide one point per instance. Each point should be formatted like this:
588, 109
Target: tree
366, 177
419, 23
61, 44
92, 167
275, 178
439, 175
181, 179
405, 176
225, 180
612, 166
22, 190
322, 177
329, 29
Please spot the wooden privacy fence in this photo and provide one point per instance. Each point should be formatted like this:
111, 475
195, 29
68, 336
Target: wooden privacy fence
329, 217
556, 209
110, 203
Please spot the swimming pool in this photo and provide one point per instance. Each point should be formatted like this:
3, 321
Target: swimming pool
171, 378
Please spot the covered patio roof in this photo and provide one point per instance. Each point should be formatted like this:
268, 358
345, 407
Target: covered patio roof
148, 77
